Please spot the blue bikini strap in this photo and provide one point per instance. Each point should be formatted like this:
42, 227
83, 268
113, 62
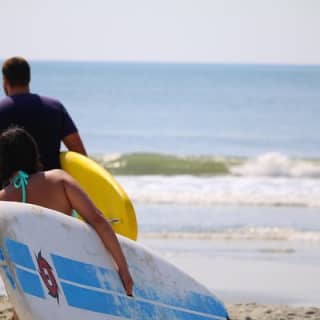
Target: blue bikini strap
21, 181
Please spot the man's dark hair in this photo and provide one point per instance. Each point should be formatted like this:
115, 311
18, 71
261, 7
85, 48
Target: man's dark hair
18, 151
17, 71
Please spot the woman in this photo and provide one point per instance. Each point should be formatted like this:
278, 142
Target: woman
54, 189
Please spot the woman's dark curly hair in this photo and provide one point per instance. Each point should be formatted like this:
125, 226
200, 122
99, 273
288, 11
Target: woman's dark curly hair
18, 151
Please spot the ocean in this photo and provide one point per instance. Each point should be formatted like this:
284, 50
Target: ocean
220, 161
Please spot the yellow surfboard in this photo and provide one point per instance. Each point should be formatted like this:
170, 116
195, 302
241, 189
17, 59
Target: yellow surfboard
105, 192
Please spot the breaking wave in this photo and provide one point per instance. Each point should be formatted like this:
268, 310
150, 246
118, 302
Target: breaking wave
249, 233
266, 165
271, 179
277, 165
226, 190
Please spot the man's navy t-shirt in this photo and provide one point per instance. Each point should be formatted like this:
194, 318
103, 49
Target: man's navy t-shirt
44, 118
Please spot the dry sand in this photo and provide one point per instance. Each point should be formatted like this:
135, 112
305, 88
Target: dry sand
5, 309
250, 311
254, 311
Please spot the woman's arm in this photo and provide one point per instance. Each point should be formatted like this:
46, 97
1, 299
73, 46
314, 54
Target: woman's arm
83, 205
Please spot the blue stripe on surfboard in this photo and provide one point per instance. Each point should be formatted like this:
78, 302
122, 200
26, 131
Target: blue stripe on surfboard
19, 254
86, 274
71, 270
203, 303
9, 276
102, 278
121, 306
30, 282
2, 258
192, 301
91, 300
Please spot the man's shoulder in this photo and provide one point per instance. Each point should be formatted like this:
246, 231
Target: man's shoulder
6, 102
30, 98
49, 101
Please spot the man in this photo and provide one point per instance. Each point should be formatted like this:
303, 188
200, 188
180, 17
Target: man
44, 118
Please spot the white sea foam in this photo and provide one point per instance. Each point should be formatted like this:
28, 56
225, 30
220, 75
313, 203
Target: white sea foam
277, 165
245, 233
226, 190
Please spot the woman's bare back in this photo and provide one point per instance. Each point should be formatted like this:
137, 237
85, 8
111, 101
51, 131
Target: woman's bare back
45, 189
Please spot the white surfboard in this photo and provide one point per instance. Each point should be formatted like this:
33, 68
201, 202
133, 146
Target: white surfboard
55, 267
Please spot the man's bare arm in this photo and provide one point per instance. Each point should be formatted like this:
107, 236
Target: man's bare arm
74, 143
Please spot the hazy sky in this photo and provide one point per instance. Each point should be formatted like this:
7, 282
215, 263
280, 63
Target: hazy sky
245, 31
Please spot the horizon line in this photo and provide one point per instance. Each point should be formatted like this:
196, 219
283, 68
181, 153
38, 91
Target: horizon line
305, 64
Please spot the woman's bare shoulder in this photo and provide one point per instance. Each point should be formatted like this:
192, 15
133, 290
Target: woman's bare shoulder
58, 175
55, 174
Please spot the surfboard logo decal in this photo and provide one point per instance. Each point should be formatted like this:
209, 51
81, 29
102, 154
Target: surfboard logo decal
48, 277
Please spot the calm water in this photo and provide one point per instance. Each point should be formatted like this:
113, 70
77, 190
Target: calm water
236, 110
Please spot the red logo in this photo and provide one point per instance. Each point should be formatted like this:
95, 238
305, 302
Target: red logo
47, 276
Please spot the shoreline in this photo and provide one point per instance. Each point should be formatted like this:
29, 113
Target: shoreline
250, 311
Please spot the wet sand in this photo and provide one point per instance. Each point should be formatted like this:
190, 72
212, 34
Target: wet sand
273, 284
